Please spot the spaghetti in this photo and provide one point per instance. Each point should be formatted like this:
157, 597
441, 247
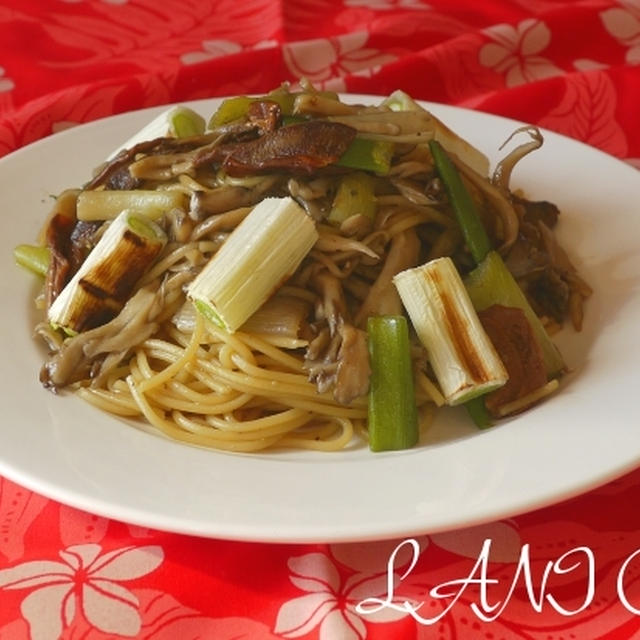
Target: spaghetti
280, 380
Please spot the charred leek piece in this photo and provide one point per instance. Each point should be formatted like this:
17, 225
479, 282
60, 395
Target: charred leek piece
392, 415
491, 282
355, 196
106, 204
106, 279
463, 358
177, 122
259, 255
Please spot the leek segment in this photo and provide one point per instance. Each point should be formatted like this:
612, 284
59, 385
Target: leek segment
463, 358
259, 255
368, 155
290, 103
106, 279
392, 413
107, 204
177, 122
32, 257
491, 281
355, 196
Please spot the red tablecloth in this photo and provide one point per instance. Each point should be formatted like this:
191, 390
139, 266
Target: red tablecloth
568, 66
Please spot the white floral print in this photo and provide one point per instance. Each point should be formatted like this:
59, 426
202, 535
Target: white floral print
325, 58
218, 49
331, 599
624, 24
336, 583
515, 52
83, 582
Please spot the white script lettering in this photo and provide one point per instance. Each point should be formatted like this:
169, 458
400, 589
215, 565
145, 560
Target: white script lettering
572, 560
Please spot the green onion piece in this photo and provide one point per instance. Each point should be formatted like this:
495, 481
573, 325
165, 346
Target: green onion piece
368, 155
177, 122
185, 122
32, 257
478, 412
355, 196
236, 108
463, 206
230, 110
393, 417
490, 283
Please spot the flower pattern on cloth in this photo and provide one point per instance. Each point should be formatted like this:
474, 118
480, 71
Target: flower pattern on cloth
623, 23
328, 58
219, 48
352, 574
572, 67
332, 596
85, 582
515, 52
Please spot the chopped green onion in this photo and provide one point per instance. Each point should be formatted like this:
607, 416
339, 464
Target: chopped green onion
236, 108
32, 257
462, 204
185, 122
490, 283
355, 196
368, 155
393, 417
478, 412
230, 110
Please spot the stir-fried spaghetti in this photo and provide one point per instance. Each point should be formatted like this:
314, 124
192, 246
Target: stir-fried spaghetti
296, 372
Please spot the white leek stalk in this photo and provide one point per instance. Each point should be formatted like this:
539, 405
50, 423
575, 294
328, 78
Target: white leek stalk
259, 255
177, 122
107, 204
463, 358
105, 280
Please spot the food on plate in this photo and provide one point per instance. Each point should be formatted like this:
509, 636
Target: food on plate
301, 271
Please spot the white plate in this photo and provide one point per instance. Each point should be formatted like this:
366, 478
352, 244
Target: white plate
584, 436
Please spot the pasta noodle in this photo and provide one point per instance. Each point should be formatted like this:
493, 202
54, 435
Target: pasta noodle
225, 380
276, 383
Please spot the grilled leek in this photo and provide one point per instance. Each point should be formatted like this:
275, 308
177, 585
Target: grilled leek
105, 280
463, 358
